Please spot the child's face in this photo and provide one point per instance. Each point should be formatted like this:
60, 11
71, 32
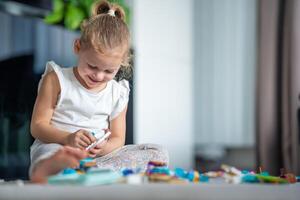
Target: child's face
96, 69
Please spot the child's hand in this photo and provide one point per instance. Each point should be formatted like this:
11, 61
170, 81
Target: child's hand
97, 150
80, 139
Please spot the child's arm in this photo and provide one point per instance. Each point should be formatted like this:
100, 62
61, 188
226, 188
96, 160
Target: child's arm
42, 114
43, 111
117, 137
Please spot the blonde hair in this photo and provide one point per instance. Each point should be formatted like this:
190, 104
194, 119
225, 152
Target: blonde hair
106, 30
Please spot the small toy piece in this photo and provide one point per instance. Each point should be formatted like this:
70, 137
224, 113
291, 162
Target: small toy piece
134, 176
231, 170
135, 179
291, 178
180, 173
154, 164
97, 170
203, 178
250, 178
127, 172
69, 171
159, 177
85, 164
159, 170
192, 176
270, 179
157, 164
159, 174
212, 174
90, 178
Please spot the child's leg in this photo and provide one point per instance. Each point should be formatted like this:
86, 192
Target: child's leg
65, 157
40, 151
133, 156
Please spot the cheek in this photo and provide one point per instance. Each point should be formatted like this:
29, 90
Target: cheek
114, 74
109, 77
84, 71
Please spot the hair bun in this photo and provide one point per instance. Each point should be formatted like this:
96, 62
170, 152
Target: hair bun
101, 7
119, 13
104, 7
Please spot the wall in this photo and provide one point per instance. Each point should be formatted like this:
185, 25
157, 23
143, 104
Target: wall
163, 98
224, 74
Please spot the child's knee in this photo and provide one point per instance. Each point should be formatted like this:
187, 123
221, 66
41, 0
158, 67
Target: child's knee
163, 154
159, 153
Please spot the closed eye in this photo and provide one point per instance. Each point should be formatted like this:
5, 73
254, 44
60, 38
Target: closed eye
91, 66
109, 72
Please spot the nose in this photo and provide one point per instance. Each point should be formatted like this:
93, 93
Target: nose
99, 76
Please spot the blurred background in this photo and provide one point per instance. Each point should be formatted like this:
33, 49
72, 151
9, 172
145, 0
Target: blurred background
215, 81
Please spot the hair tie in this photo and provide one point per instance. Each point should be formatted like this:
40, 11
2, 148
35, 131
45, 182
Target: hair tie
111, 13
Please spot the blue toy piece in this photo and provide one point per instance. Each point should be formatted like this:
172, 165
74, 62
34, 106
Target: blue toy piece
160, 170
83, 161
264, 174
93, 133
203, 178
180, 173
190, 176
127, 172
250, 178
245, 171
69, 171
99, 177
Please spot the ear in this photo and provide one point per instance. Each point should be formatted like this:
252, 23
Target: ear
76, 46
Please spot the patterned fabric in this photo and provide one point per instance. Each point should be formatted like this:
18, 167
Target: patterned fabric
133, 156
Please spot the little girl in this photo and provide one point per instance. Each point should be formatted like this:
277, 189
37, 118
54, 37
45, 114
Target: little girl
74, 102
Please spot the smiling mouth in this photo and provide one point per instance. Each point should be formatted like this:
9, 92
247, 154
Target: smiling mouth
94, 81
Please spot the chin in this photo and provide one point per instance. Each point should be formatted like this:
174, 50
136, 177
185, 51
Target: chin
95, 85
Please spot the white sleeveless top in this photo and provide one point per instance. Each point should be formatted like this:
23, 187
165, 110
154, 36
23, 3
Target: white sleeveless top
78, 108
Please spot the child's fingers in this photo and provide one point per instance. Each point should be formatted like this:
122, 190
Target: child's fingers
85, 139
92, 155
82, 144
77, 153
90, 137
94, 151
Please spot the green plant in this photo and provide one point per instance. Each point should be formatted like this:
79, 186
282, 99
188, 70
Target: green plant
71, 13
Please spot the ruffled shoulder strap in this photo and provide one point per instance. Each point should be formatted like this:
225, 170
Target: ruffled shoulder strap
52, 66
120, 94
